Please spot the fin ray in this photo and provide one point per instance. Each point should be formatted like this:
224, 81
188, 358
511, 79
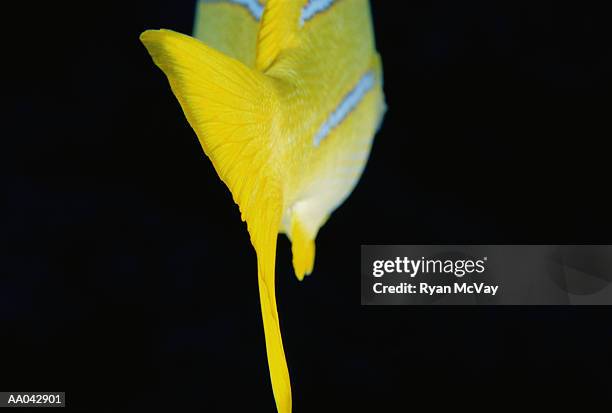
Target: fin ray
230, 107
278, 26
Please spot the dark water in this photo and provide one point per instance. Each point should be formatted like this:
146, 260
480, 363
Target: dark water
125, 267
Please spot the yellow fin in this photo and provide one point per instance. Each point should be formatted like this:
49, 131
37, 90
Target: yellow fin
302, 248
231, 107
278, 27
279, 373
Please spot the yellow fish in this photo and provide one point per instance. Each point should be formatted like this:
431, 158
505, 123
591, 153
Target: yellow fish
285, 97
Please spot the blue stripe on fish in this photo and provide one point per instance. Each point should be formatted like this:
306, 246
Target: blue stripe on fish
253, 6
312, 8
350, 102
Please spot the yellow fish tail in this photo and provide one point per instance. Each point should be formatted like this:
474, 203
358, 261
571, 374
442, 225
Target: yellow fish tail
231, 107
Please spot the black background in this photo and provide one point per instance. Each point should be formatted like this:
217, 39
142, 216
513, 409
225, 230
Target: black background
125, 266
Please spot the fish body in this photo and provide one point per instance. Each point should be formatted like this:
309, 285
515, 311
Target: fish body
285, 98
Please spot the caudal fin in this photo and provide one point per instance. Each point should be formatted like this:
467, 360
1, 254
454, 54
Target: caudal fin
231, 109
